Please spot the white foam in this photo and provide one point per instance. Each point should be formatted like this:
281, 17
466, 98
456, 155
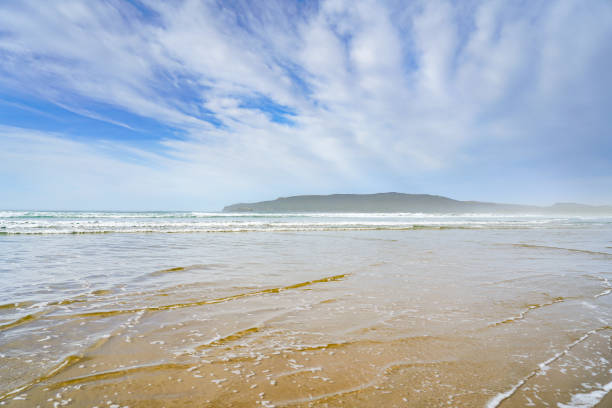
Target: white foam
589, 399
496, 400
608, 289
542, 367
49, 222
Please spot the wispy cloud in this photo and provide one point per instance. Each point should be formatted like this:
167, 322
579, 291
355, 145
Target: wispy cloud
280, 98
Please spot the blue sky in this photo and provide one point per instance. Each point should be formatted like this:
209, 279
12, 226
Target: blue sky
192, 105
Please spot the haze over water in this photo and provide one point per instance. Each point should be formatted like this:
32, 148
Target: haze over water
173, 309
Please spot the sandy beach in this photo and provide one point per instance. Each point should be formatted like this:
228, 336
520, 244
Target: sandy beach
428, 317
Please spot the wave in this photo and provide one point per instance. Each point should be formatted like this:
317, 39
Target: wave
219, 341
588, 400
175, 269
498, 399
213, 214
376, 379
554, 248
71, 359
16, 305
529, 308
66, 362
248, 227
123, 372
47, 222
23, 320
273, 290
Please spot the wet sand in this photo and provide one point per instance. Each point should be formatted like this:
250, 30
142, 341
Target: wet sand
458, 318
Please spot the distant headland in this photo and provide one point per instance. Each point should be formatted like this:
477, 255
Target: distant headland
405, 203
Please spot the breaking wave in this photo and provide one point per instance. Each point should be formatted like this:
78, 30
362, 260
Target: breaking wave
49, 222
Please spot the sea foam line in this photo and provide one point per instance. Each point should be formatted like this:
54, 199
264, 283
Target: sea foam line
204, 302
583, 251
497, 400
71, 360
608, 289
530, 308
588, 400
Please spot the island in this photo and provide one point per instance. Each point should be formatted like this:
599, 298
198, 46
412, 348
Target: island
404, 203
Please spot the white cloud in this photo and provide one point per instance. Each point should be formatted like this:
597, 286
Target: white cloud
379, 90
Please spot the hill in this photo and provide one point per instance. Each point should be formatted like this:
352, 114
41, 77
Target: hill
400, 202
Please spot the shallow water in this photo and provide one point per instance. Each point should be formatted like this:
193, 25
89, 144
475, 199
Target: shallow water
304, 310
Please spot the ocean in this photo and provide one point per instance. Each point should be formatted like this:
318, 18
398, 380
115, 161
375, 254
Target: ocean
169, 309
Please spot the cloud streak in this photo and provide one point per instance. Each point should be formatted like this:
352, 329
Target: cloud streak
314, 97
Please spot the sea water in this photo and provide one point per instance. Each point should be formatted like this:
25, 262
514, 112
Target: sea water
213, 309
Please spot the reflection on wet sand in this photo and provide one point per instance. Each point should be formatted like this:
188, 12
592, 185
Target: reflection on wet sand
387, 319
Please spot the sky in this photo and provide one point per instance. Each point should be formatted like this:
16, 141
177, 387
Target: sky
193, 105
